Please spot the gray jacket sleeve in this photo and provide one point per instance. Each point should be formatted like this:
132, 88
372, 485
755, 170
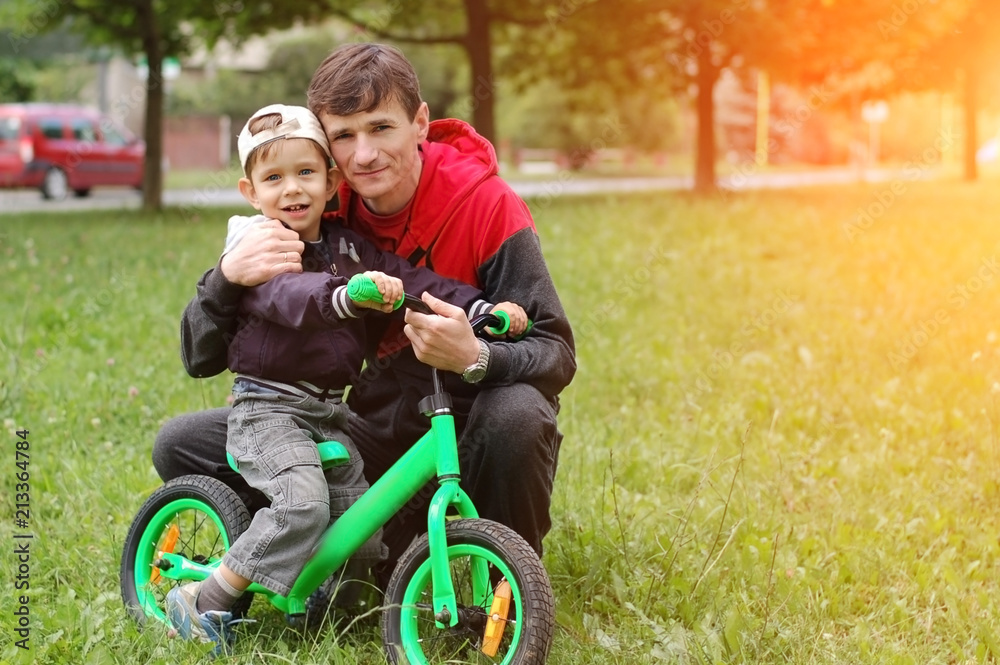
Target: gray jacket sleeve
208, 324
546, 357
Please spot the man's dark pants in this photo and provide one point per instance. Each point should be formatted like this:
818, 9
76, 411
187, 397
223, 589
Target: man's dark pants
508, 453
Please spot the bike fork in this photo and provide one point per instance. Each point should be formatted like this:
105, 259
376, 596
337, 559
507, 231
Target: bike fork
445, 605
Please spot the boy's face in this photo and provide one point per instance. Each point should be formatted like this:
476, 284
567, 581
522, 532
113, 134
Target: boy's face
377, 153
291, 184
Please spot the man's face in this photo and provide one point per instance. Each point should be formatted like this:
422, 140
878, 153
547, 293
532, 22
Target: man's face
376, 152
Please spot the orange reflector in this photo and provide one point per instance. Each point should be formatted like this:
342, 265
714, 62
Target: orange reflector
169, 541
497, 619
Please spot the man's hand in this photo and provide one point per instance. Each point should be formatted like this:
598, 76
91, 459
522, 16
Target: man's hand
389, 287
268, 249
444, 339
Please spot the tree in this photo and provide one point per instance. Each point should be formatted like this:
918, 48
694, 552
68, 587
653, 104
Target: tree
660, 48
471, 25
676, 47
959, 59
651, 47
16, 80
155, 29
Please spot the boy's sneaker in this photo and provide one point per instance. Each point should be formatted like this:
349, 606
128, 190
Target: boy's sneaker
190, 624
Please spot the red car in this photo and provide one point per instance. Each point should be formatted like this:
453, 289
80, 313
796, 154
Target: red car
60, 148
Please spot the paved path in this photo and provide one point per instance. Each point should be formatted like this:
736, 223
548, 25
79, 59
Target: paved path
212, 195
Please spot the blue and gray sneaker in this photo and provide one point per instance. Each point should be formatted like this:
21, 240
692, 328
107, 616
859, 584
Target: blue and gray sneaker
190, 624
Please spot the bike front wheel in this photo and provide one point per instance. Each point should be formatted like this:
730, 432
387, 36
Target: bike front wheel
505, 605
197, 517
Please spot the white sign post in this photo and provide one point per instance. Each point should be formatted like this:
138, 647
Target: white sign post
874, 113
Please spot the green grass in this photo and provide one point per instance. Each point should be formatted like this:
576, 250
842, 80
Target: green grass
198, 178
749, 474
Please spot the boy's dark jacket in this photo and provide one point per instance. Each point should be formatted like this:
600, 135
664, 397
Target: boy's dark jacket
303, 327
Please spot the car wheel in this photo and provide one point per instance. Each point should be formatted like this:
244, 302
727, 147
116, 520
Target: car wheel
82, 192
55, 186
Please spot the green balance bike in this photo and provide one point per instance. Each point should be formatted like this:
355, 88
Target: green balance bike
469, 590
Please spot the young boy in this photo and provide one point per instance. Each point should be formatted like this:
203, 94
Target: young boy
299, 344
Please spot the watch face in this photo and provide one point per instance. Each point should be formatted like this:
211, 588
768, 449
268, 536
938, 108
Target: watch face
474, 375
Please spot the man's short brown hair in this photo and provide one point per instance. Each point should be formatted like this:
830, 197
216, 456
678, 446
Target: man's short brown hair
359, 78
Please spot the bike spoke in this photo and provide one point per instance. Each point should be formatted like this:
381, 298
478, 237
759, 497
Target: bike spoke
465, 639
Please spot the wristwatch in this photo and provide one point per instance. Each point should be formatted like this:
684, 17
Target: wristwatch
477, 372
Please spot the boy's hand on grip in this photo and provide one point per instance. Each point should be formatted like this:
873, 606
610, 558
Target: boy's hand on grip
390, 288
518, 319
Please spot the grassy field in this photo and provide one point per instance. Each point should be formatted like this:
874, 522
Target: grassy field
781, 444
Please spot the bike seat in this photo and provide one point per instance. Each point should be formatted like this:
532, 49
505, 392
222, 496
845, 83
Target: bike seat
331, 454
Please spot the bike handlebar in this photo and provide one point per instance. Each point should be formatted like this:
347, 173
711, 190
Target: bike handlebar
361, 288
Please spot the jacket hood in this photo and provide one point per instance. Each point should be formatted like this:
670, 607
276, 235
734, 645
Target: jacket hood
456, 161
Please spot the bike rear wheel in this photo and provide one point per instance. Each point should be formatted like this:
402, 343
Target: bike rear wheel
520, 633
196, 516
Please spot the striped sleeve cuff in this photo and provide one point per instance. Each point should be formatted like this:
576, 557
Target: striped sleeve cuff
343, 306
479, 307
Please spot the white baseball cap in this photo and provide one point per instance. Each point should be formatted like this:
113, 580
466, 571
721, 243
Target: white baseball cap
297, 122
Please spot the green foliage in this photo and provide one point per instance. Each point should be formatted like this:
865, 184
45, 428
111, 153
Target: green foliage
231, 92
443, 73
17, 80
780, 444
548, 115
290, 69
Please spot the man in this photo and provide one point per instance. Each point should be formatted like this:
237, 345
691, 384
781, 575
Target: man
428, 191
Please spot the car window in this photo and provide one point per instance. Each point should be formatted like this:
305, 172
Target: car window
10, 128
83, 130
112, 135
51, 129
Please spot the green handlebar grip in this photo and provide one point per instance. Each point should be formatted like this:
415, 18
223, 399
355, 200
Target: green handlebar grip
504, 323
361, 289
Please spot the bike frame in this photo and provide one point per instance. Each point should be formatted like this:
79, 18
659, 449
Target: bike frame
434, 455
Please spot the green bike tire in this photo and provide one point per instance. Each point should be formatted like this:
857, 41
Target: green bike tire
209, 517
408, 629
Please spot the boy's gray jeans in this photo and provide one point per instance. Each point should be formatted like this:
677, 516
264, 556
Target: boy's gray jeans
273, 439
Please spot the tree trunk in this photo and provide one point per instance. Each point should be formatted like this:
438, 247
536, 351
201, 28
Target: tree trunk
478, 45
704, 171
152, 180
971, 111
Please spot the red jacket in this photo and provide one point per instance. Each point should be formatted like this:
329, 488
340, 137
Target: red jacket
462, 211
